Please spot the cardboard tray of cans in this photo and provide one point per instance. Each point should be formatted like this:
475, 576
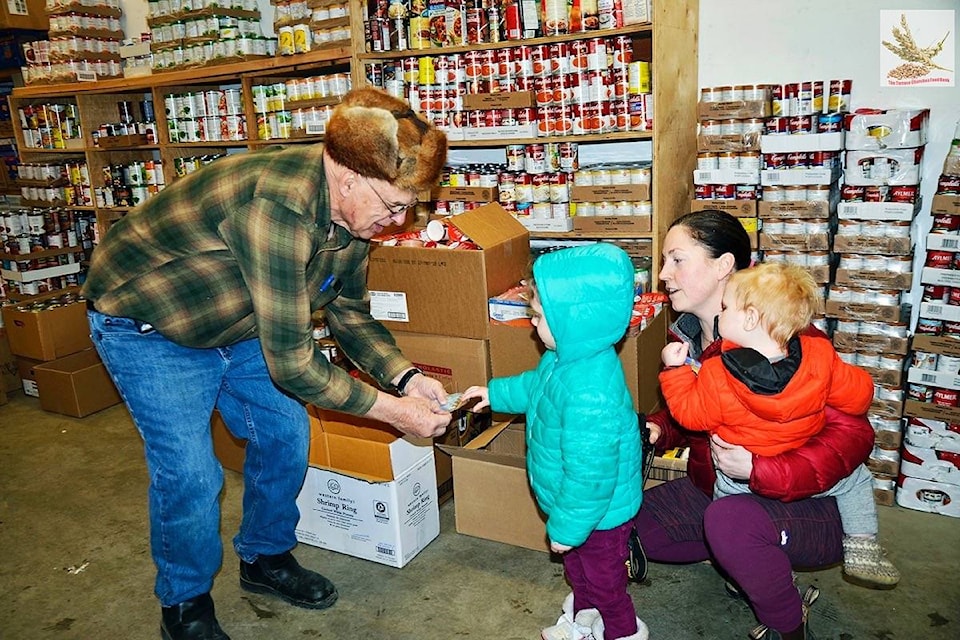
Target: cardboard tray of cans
726, 176
112, 142
943, 277
886, 408
736, 208
788, 242
749, 141
875, 279
733, 110
788, 177
928, 410
946, 345
875, 246
466, 194
870, 342
945, 203
795, 209
866, 311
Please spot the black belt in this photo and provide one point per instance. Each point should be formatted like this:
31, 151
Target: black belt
90, 305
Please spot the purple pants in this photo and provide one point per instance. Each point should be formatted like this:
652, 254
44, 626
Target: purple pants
754, 540
596, 571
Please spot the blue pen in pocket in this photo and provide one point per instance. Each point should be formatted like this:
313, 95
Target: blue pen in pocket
329, 289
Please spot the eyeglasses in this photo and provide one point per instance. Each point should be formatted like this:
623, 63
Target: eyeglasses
392, 209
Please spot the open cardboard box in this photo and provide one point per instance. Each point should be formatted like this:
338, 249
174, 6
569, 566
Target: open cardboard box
369, 492
75, 385
47, 334
446, 292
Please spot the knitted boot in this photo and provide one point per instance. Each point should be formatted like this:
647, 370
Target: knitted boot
865, 564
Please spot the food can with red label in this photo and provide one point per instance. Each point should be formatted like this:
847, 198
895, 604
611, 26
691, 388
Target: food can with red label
838, 96
937, 259
703, 191
799, 124
943, 397
778, 100
851, 193
776, 125
945, 223
774, 160
725, 191
903, 193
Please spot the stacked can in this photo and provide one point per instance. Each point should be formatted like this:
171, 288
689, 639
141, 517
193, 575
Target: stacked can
49, 126
188, 164
205, 116
129, 185
579, 87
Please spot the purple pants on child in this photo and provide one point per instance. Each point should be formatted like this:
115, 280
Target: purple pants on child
755, 541
597, 572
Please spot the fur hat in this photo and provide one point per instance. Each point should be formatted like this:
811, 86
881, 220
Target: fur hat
380, 137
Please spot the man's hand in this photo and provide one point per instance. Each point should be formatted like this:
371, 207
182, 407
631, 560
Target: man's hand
413, 415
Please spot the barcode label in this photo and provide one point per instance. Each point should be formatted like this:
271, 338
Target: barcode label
387, 551
702, 176
935, 309
950, 243
928, 377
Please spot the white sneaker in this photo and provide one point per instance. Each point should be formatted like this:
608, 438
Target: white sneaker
642, 632
568, 628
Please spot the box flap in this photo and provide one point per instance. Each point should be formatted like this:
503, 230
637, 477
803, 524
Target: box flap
489, 225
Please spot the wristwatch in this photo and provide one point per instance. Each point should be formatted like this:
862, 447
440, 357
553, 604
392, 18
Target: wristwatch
405, 380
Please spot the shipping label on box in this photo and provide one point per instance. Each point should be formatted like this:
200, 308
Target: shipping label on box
792, 177
946, 277
785, 143
727, 176
446, 292
368, 493
904, 211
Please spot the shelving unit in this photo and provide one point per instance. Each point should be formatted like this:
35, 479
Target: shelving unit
669, 44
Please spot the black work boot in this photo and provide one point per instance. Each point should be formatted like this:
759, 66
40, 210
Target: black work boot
282, 576
193, 619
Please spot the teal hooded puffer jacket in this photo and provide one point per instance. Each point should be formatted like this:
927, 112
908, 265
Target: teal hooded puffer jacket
583, 439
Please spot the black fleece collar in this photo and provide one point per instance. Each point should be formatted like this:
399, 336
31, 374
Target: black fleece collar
759, 374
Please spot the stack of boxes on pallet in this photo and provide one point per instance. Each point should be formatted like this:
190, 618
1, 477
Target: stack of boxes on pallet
728, 151
929, 478
874, 267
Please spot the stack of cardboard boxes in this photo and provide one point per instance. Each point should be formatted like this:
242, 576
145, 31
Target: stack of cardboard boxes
55, 359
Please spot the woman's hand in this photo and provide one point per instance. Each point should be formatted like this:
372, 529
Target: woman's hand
654, 430
732, 459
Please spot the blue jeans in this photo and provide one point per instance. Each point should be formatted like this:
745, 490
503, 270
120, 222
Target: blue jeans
171, 392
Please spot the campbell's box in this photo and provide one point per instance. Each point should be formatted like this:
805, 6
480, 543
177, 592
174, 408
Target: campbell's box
928, 495
446, 292
938, 465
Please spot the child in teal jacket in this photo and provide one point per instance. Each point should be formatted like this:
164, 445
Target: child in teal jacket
582, 433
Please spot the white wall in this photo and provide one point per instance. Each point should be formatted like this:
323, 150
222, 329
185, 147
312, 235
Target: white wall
745, 41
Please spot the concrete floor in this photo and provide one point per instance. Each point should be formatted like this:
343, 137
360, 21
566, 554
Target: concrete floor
76, 565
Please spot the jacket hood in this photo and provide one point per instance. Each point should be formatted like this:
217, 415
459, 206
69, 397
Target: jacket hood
587, 296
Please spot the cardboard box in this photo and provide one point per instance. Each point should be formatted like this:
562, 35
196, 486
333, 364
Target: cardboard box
613, 224
876, 246
794, 209
517, 349
726, 176
75, 385
458, 363
26, 371
945, 204
48, 334
927, 495
667, 468
735, 109
947, 345
610, 193
9, 378
443, 292
736, 208
832, 141
903, 211
931, 411
874, 279
890, 129
229, 449
511, 100
867, 312
938, 465
494, 499
368, 492
466, 194
729, 142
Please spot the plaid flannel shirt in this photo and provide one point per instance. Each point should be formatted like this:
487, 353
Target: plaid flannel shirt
238, 250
